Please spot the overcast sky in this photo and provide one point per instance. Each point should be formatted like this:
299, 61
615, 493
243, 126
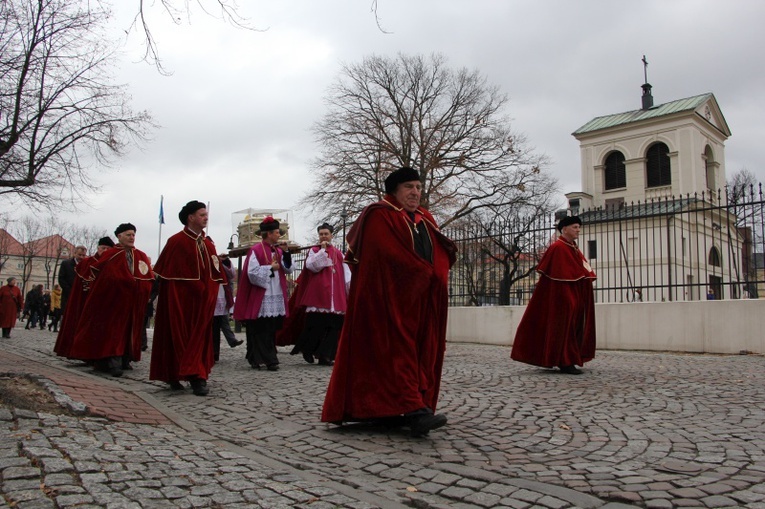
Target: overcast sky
236, 114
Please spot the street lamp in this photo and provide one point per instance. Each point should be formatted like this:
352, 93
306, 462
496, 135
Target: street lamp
344, 215
237, 323
231, 241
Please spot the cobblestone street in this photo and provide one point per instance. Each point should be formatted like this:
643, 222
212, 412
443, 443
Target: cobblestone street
650, 430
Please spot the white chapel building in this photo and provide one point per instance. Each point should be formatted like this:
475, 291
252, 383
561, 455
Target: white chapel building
652, 179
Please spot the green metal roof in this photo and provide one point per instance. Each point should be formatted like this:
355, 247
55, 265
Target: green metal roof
688, 104
658, 207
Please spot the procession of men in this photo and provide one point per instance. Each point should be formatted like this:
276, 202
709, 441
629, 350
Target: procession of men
104, 320
386, 350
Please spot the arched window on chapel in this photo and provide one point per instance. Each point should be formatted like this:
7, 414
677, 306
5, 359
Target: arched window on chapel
711, 168
714, 257
616, 173
657, 166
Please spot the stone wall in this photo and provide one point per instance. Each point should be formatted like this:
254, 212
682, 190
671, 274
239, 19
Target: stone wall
724, 326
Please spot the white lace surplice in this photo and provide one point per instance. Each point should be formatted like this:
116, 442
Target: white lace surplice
316, 262
273, 300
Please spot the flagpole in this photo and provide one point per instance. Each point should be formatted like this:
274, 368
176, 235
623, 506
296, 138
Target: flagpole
161, 222
208, 221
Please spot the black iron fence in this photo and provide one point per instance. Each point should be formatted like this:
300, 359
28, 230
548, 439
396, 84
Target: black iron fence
707, 246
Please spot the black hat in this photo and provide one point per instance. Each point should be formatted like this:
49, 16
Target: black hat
269, 224
107, 241
123, 228
400, 176
326, 226
189, 209
568, 221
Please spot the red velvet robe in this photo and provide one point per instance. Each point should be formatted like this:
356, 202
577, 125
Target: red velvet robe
189, 274
111, 322
558, 326
74, 306
295, 321
391, 349
11, 302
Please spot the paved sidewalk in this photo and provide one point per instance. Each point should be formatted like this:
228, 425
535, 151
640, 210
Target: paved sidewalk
636, 430
94, 395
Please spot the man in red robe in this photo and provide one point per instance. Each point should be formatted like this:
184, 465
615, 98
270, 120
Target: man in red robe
322, 296
11, 302
78, 295
558, 326
109, 328
391, 350
189, 272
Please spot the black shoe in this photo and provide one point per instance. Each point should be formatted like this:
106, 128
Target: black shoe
115, 372
27, 327
176, 386
236, 343
308, 358
395, 421
199, 387
420, 425
127, 367
325, 362
295, 350
571, 370
272, 367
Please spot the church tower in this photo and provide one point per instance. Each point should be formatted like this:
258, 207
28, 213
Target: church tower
671, 149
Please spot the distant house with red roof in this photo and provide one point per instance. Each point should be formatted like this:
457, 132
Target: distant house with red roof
33, 262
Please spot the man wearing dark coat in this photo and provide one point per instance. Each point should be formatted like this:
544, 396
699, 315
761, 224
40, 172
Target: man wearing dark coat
189, 275
223, 305
66, 274
391, 349
34, 305
558, 326
45, 310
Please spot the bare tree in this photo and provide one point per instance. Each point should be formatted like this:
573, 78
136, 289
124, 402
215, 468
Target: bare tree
60, 116
26, 231
8, 245
225, 10
517, 247
177, 10
449, 125
55, 247
506, 244
742, 186
87, 236
745, 201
